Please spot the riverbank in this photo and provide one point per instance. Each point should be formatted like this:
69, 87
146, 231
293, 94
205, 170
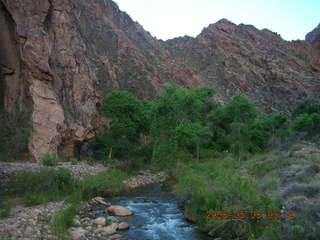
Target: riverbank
282, 182
35, 222
272, 195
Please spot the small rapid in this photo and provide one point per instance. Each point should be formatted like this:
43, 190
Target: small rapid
157, 216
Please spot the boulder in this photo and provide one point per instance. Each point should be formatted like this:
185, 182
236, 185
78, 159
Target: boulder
119, 211
123, 226
100, 221
107, 230
99, 200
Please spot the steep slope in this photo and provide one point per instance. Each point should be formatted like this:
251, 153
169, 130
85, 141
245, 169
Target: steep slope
242, 59
313, 37
65, 55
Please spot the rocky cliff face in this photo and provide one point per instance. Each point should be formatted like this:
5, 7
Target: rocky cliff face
65, 55
313, 37
242, 59
58, 58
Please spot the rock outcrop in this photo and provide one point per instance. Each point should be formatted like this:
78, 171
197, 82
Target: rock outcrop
313, 37
59, 58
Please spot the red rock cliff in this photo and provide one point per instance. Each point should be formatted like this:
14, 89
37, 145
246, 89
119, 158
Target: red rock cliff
258, 63
59, 57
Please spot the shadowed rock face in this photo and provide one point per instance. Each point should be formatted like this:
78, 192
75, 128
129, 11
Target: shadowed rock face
58, 58
11, 84
313, 37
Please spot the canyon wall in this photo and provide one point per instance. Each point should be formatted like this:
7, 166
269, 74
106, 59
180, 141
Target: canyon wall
58, 58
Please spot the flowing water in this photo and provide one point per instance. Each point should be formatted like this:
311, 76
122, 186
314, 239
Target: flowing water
157, 216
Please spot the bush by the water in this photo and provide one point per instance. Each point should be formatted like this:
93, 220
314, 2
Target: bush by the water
53, 184
215, 186
63, 220
106, 183
59, 184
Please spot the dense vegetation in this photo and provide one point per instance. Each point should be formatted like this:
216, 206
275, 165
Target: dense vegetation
203, 145
186, 124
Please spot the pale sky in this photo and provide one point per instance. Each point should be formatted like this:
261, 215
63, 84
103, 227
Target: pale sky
166, 19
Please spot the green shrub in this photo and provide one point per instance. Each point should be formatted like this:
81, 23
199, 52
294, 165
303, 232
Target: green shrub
210, 154
317, 232
73, 160
106, 183
50, 160
165, 155
34, 199
261, 168
5, 207
53, 183
63, 219
307, 106
297, 147
309, 123
214, 185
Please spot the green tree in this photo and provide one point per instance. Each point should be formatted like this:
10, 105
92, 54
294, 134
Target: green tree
309, 123
230, 124
240, 109
239, 139
220, 128
269, 127
129, 119
307, 106
191, 137
175, 107
259, 138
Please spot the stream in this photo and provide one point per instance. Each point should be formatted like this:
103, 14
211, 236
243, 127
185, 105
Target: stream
157, 216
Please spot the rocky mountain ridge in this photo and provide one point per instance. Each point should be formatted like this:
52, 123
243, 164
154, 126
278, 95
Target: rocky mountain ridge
258, 63
313, 37
59, 58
